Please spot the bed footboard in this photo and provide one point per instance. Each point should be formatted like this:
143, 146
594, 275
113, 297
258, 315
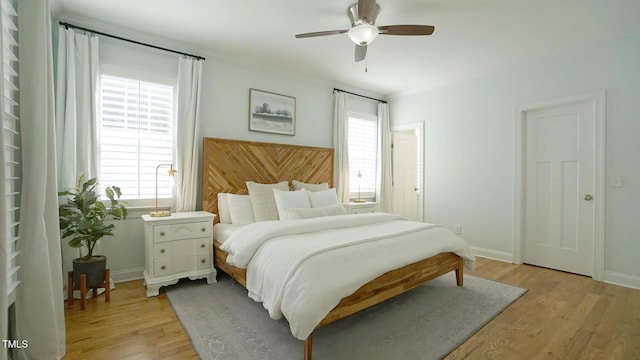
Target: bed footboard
384, 287
391, 284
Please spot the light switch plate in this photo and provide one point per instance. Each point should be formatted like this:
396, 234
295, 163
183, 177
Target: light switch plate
615, 181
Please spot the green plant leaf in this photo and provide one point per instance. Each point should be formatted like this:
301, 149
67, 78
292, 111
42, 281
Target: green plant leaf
109, 192
82, 216
89, 182
101, 207
75, 242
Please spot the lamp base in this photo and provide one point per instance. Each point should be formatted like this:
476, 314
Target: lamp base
160, 213
359, 200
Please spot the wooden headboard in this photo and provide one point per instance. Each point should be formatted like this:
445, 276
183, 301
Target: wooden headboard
228, 164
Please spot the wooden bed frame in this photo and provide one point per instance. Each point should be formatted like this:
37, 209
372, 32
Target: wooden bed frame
227, 164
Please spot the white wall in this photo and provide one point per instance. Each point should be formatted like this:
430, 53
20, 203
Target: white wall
469, 145
225, 105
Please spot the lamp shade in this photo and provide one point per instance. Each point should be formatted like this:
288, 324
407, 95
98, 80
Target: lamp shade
363, 34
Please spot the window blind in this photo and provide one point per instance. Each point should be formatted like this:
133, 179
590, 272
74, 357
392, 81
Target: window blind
363, 155
11, 170
136, 135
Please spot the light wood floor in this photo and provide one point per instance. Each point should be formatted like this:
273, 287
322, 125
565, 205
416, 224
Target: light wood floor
562, 316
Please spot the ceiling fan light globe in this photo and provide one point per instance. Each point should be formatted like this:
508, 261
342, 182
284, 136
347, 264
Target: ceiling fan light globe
363, 34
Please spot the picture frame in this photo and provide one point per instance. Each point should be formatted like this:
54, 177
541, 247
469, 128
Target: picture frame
272, 113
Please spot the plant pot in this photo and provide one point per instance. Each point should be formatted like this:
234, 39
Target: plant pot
94, 269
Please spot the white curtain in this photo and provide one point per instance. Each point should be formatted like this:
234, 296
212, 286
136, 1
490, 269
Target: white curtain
76, 120
39, 298
384, 191
341, 146
187, 133
76, 107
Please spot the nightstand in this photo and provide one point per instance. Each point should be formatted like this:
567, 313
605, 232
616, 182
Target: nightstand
176, 247
359, 208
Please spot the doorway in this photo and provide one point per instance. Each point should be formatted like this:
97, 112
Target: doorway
559, 189
408, 165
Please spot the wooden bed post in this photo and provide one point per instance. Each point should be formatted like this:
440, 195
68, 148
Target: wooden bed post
308, 344
460, 272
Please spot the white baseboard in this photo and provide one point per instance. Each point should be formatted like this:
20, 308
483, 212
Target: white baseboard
610, 277
615, 278
127, 275
492, 254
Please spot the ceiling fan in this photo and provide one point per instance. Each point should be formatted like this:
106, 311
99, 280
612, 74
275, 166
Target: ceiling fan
363, 30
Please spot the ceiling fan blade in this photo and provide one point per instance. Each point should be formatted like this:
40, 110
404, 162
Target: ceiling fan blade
406, 29
361, 52
321, 33
367, 10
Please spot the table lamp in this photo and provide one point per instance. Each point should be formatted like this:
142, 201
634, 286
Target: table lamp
156, 212
359, 199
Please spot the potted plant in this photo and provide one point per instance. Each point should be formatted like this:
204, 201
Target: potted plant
82, 220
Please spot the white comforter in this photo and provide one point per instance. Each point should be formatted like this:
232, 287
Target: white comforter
302, 268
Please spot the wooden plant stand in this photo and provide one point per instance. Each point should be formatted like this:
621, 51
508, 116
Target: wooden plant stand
106, 285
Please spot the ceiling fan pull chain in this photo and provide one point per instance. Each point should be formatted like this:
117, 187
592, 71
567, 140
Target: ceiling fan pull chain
366, 66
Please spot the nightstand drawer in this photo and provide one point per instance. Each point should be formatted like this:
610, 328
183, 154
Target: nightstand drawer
203, 246
175, 264
203, 261
168, 249
163, 233
361, 208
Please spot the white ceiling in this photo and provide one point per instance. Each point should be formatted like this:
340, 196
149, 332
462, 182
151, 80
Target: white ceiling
471, 37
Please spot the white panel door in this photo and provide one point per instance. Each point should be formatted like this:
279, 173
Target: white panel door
405, 175
559, 186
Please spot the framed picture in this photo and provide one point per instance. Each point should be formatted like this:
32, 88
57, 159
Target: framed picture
272, 113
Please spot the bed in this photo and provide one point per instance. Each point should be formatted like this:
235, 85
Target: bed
228, 164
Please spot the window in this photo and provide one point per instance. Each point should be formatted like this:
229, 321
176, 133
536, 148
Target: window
136, 135
363, 155
10, 145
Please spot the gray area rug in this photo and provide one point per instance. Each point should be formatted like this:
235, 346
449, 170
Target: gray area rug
425, 323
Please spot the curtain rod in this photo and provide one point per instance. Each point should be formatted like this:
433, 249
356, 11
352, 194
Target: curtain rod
67, 25
362, 96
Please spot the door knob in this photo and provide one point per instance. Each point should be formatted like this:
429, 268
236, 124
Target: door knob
588, 197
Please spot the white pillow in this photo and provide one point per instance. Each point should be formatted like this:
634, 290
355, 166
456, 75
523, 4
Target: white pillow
290, 199
223, 209
240, 209
320, 199
263, 200
307, 213
298, 185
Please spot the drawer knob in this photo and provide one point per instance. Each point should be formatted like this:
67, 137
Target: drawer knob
202, 245
203, 261
161, 233
203, 229
162, 267
162, 251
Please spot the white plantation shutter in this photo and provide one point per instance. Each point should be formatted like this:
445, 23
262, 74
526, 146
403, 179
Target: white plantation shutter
10, 157
363, 145
136, 135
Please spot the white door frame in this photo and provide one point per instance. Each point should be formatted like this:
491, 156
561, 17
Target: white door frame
418, 127
598, 99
